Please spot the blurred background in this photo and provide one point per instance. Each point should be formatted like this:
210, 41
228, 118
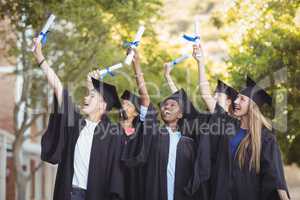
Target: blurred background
256, 37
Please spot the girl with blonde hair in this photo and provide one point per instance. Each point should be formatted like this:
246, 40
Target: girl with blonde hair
245, 157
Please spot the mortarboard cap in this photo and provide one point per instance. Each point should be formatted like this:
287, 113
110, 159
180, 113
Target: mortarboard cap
224, 88
187, 107
109, 93
256, 93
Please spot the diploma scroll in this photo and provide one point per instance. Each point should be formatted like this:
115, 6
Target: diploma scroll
45, 29
109, 70
134, 44
179, 60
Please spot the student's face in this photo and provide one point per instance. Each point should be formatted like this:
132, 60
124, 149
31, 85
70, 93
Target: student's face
129, 108
241, 105
228, 102
93, 102
170, 111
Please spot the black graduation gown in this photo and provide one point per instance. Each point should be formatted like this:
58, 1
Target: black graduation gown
153, 156
197, 127
134, 175
229, 181
105, 176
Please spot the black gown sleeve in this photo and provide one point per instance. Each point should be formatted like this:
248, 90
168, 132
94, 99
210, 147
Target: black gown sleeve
116, 183
137, 149
272, 174
56, 135
198, 183
219, 125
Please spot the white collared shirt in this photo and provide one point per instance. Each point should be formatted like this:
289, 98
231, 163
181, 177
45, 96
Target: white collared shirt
83, 151
82, 155
143, 112
171, 168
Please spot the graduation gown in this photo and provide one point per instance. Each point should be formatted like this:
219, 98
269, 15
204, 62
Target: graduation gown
229, 181
153, 144
134, 174
197, 127
105, 176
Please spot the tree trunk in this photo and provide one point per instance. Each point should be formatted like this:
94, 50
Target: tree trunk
21, 180
21, 186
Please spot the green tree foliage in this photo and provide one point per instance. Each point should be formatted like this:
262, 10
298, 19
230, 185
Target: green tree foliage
87, 35
264, 42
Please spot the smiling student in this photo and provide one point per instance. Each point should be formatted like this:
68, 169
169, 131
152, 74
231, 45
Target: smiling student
245, 158
131, 121
166, 154
208, 128
257, 171
249, 164
134, 109
87, 150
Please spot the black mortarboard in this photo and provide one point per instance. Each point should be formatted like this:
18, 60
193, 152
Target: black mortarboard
226, 89
256, 93
134, 99
250, 82
187, 107
109, 93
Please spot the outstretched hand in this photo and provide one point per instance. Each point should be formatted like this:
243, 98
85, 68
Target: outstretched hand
38, 54
198, 53
52, 77
93, 74
136, 57
168, 69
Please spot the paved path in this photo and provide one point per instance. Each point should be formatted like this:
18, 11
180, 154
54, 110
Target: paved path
292, 174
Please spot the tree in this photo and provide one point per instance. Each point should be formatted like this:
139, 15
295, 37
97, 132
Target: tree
88, 34
264, 42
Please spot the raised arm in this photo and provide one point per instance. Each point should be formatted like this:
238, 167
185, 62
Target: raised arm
203, 82
139, 77
169, 79
52, 78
